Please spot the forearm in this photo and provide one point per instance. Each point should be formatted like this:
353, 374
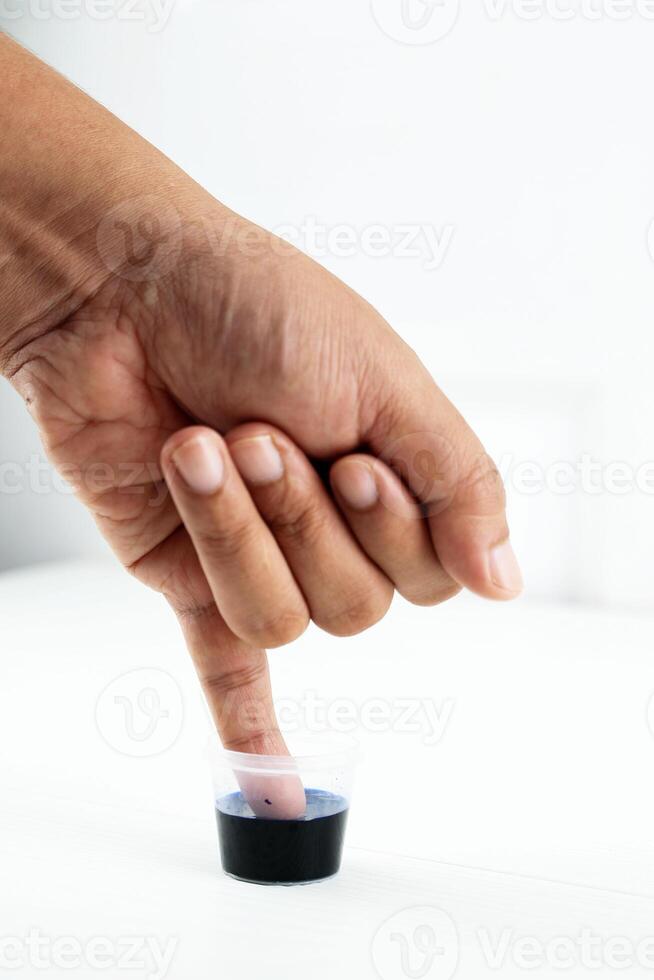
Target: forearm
65, 162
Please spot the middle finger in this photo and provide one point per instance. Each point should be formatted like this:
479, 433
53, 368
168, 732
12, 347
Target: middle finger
344, 590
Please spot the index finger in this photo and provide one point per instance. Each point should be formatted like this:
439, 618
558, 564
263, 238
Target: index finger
236, 682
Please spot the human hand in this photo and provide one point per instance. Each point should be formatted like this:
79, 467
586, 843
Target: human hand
192, 315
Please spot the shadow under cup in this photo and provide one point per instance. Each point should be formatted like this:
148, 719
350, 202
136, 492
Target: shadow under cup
282, 819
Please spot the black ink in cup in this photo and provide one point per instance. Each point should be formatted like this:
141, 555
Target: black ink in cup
282, 819
282, 852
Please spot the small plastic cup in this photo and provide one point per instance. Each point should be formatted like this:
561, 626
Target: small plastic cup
282, 819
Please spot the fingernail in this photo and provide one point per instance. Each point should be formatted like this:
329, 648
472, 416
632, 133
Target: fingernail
504, 569
200, 464
357, 485
257, 459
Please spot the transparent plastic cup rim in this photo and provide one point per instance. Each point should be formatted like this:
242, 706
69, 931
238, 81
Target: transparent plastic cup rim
309, 752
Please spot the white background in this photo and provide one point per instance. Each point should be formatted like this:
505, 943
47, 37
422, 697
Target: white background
531, 140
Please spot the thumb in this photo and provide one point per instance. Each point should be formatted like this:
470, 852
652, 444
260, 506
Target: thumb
420, 434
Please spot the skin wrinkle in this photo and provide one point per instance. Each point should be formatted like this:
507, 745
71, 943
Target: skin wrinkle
129, 548
489, 480
188, 591
136, 368
74, 286
36, 400
116, 521
158, 481
249, 742
196, 612
157, 488
127, 545
301, 527
97, 425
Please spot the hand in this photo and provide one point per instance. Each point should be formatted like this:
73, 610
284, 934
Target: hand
197, 316
250, 544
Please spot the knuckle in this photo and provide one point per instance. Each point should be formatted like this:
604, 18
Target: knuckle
257, 740
482, 488
224, 543
299, 525
357, 616
277, 630
238, 679
431, 596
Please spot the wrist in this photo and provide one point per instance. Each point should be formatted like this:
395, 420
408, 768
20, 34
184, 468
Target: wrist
73, 181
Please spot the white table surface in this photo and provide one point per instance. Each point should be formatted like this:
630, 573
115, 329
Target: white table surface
532, 813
